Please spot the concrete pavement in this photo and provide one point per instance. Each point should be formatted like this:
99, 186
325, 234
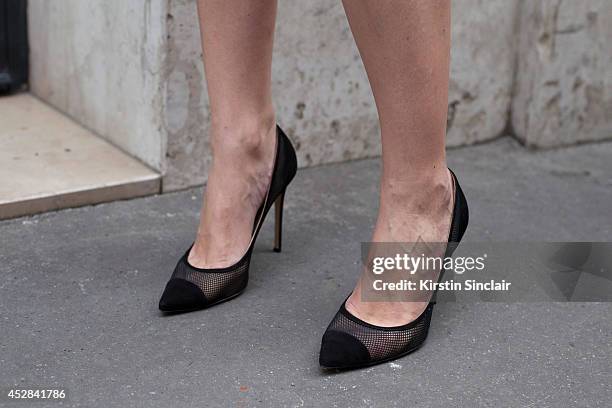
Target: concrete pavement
79, 291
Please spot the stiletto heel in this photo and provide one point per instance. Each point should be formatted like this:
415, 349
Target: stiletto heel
192, 288
349, 342
278, 222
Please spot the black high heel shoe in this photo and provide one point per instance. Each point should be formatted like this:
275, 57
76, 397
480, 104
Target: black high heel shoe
192, 288
349, 342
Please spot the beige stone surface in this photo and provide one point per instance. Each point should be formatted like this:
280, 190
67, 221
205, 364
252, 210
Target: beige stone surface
48, 162
564, 79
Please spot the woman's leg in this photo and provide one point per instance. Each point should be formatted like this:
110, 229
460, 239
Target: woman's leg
405, 46
237, 38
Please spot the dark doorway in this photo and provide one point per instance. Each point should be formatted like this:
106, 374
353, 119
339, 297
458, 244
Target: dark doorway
13, 45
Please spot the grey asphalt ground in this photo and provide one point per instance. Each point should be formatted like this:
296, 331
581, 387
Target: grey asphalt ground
79, 291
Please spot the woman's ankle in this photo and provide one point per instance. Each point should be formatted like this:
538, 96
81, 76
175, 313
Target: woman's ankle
416, 194
413, 212
246, 135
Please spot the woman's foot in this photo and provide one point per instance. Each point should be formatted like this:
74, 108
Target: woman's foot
193, 287
243, 160
410, 212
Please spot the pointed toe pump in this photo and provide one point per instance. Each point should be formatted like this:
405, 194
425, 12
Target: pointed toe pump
350, 342
192, 288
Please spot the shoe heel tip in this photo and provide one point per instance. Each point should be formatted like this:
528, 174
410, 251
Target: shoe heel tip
277, 250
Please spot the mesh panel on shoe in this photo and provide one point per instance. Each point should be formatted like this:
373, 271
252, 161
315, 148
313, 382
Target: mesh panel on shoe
384, 343
215, 285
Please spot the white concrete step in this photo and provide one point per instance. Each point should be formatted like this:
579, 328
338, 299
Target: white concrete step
49, 162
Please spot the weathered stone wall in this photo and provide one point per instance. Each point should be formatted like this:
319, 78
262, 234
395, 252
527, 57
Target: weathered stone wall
185, 113
482, 69
564, 79
132, 72
320, 88
101, 62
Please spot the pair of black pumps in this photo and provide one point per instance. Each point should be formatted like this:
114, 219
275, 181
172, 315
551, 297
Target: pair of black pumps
348, 341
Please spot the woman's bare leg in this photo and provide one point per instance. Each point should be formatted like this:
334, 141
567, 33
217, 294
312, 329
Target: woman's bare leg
237, 37
405, 46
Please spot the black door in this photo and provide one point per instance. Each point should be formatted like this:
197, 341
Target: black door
13, 45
